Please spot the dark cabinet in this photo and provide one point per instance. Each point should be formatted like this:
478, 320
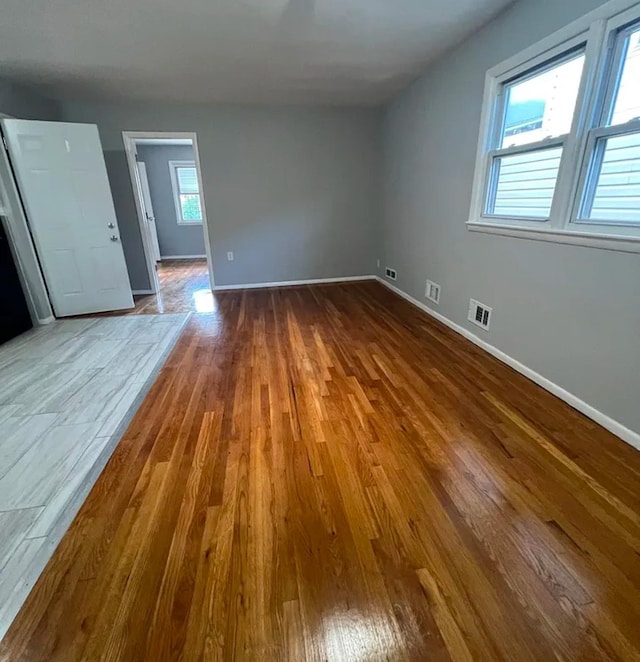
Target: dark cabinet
14, 314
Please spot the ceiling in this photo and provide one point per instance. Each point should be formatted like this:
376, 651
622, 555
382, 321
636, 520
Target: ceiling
244, 51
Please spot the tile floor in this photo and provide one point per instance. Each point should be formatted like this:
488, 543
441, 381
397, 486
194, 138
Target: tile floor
67, 391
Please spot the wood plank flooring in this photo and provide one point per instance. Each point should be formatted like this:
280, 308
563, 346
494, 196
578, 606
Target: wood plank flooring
184, 287
327, 473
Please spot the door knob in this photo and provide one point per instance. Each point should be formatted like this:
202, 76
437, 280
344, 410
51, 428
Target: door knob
114, 237
110, 226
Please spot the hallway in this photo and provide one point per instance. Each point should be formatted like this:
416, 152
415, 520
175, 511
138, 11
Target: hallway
184, 288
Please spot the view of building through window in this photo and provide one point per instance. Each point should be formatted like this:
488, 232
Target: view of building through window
627, 102
543, 105
616, 195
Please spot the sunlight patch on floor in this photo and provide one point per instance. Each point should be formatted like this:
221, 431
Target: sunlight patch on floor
203, 301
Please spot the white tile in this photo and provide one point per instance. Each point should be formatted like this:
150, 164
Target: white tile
76, 327
95, 401
36, 380
19, 575
46, 343
180, 319
131, 358
79, 475
56, 529
19, 375
114, 328
52, 392
157, 332
14, 526
18, 435
9, 349
154, 364
69, 351
98, 355
7, 411
133, 395
38, 474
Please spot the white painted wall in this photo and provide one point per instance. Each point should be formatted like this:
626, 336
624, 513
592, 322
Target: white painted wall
570, 313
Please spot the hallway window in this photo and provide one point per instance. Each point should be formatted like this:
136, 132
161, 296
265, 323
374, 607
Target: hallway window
186, 192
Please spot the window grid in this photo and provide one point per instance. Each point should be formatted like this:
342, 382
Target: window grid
559, 73
599, 172
614, 202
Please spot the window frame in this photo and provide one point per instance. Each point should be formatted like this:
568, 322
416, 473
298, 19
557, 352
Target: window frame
598, 35
617, 30
538, 146
175, 186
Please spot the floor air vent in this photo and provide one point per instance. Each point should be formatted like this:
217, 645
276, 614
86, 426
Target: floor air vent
479, 314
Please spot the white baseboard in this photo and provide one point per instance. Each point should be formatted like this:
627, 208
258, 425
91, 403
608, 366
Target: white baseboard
621, 431
289, 283
181, 257
46, 320
140, 292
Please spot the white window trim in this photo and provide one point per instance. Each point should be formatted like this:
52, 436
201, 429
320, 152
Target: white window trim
563, 226
176, 190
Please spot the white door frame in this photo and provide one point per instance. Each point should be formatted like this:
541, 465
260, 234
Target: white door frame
129, 138
18, 234
148, 208
21, 244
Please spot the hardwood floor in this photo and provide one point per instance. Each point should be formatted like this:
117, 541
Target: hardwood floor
184, 287
327, 473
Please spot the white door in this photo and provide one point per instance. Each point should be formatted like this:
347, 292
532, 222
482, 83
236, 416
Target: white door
147, 209
62, 177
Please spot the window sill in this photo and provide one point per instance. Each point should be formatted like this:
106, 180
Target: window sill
621, 243
189, 222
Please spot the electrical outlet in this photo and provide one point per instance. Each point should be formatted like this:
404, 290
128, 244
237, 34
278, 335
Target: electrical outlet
230, 256
392, 274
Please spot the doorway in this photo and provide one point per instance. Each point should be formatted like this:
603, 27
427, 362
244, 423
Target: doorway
167, 185
61, 219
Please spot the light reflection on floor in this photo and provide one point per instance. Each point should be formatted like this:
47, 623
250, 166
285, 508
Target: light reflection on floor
204, 301
358, 637
184, 287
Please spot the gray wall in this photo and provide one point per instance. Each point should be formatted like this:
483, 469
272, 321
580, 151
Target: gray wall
120, 181
174, 239
294, 193
23, 103
570, 313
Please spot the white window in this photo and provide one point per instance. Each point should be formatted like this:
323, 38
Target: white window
559, 150
186, 192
